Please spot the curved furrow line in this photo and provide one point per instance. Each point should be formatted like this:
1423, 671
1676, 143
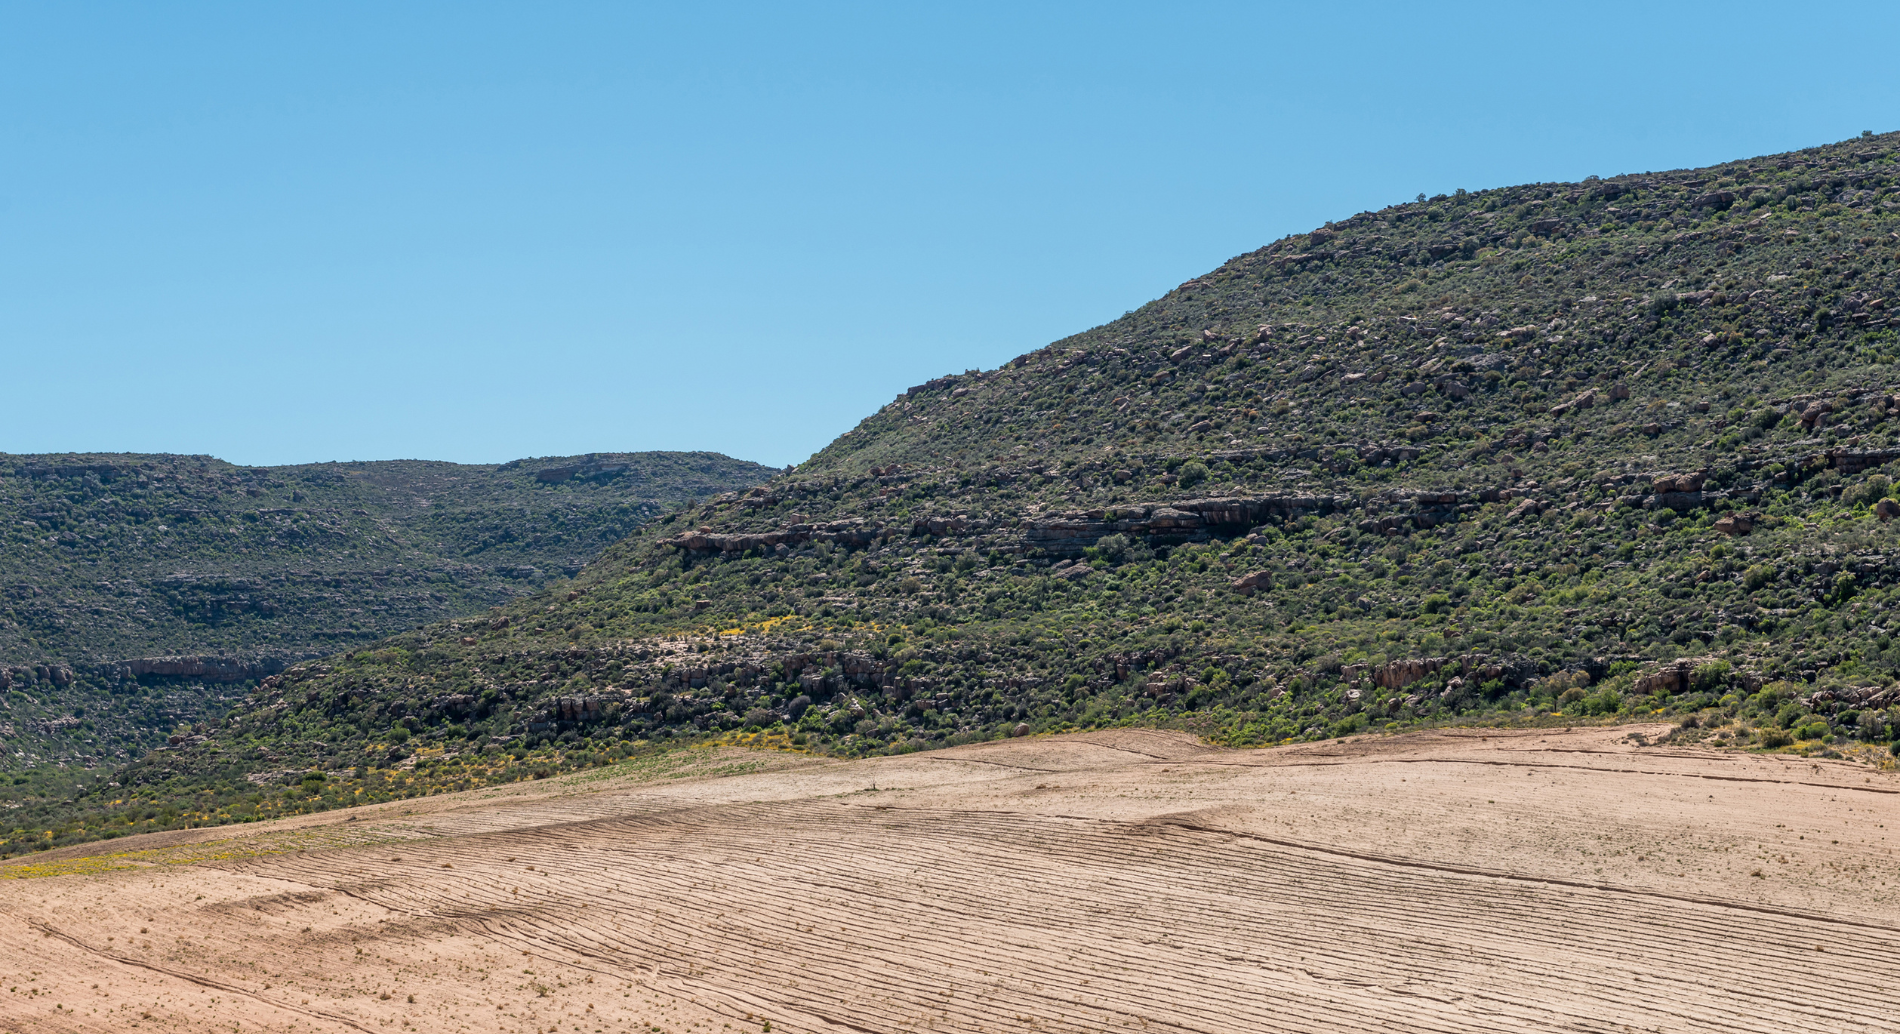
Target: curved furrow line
683, 931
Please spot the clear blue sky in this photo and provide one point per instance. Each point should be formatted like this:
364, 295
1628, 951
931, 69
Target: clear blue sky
294, 232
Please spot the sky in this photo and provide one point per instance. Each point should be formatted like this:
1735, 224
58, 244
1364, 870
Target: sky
299, 232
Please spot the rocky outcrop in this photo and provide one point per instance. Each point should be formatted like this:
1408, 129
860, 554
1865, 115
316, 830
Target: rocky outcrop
1682, 492
1071, 570
1691, 482
854, 532
210, 669
57, 674
1679, 676
1183, 521
1583, 401
1405, 671
1853, 461
1857, 696
1814, 417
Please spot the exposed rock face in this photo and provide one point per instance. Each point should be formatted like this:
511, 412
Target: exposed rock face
1180, 521
855, 531
1853, 461
1405, 671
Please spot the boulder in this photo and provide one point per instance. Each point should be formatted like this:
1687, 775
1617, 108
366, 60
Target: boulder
1691, 482
1253, 582
1887, 509
1734, 524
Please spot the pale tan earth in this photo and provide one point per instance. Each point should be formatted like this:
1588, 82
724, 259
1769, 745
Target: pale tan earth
1111, 881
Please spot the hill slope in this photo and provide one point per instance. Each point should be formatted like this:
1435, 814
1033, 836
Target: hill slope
1617, 446
139, 589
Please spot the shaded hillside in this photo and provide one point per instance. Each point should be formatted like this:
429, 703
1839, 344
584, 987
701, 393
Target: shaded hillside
1558, 450
141, 591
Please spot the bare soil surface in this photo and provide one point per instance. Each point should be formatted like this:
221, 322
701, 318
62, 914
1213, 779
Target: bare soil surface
1127, 880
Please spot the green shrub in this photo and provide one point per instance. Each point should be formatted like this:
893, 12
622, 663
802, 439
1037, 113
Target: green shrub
1711, 676
1605, 701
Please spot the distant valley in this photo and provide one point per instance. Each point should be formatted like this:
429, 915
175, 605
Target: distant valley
146, 592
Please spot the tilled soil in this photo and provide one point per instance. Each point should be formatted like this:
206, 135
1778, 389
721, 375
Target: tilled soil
1129, 880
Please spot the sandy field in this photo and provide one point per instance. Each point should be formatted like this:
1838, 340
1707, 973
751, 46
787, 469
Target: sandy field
1115, 881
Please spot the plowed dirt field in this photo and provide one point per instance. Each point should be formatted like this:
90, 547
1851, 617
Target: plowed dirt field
1113, 881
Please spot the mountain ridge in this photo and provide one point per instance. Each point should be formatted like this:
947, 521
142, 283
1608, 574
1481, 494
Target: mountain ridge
1545, 453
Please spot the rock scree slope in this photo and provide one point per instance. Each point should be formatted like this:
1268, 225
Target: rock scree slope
1544, 453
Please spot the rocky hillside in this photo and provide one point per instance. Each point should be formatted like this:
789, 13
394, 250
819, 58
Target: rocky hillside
1566, 449
142, 592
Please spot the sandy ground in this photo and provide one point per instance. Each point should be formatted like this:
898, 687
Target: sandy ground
1117, 881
